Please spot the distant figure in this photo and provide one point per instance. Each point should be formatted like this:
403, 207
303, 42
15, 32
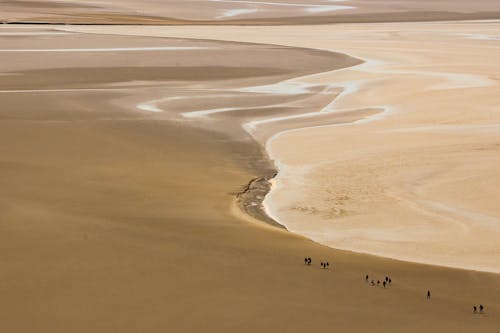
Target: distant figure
475, 309
481, 308
309, 261
305, 261
327, 264
366, 278
378, 282
390, 281
428, 294
372, 283
386, 278
384, 283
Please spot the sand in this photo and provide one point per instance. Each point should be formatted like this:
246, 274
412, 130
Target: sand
119, 212
275, 12
415, 180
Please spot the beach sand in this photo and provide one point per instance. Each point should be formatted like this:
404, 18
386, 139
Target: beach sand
414, 180
119, 209
275, 12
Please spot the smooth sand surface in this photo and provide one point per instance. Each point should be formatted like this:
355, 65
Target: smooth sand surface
118, 212
243, 11
417, 180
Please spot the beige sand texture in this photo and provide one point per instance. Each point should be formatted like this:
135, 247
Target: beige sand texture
242, 11
125, 151
118, 208
420, 181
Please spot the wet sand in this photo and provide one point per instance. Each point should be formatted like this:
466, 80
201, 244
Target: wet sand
399, 191
119, 212
243, 12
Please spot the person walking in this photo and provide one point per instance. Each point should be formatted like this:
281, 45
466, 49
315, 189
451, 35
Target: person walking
384, 283
366, 278
475, 309
481, 308
428, 294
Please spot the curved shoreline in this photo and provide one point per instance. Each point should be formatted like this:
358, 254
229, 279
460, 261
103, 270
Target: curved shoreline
122, 218
452, 81
443, 80
252, 199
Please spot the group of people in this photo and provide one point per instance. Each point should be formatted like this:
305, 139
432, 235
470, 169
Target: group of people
386, 282
474, 308
481, 308
308, 261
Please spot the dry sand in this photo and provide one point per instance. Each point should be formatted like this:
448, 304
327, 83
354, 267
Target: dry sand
118, 208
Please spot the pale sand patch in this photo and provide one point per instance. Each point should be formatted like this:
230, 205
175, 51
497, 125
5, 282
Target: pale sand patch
400, 194
403, 196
